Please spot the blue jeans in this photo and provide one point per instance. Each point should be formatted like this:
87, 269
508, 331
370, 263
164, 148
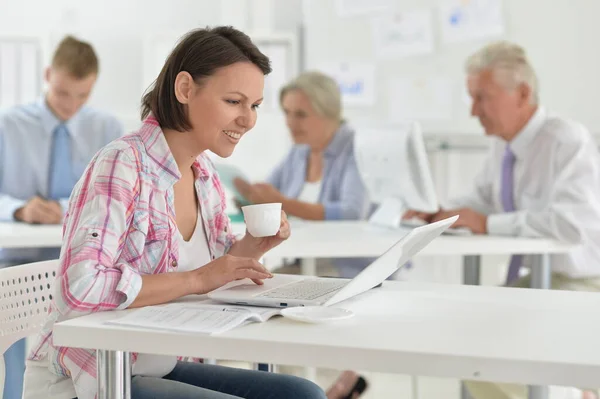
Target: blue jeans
14, 361
205, 381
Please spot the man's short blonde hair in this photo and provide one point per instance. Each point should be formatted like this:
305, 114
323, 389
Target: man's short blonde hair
509, 63
322, 91
76, 57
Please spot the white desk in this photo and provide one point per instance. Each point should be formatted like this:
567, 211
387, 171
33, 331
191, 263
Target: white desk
311, 240
464, 332
21, 235
325, 240
360, 239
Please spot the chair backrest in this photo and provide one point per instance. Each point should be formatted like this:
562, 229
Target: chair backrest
25, 295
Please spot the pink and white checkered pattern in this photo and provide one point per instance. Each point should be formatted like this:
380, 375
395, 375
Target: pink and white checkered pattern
120, 225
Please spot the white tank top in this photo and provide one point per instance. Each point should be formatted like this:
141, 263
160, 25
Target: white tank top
310, 192
193, 254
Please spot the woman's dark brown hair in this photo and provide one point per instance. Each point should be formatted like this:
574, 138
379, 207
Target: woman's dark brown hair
201, 53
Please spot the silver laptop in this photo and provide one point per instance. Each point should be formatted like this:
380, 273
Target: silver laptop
291, 290
452, 231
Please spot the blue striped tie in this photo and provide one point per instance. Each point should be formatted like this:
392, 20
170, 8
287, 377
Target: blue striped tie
60, 177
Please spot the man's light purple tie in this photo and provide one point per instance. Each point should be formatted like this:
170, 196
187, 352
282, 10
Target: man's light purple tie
508, 203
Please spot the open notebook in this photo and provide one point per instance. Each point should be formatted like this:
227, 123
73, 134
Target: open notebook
200, 317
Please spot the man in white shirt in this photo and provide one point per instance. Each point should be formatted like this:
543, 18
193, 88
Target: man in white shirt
541, 179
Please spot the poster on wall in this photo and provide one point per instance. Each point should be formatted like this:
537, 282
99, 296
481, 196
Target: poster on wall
355, 79
402, 34
463, 20
420, 98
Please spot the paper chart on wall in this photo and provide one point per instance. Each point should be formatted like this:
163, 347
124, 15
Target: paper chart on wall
356, 81
463, 20
401, 34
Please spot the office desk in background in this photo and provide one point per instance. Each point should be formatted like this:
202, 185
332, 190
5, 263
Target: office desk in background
347, 239
312, 240
22, 235
440, 330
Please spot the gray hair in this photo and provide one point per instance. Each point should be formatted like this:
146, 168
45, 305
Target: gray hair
509, 63
322, 91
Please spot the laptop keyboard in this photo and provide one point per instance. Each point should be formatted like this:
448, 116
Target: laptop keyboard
307, 289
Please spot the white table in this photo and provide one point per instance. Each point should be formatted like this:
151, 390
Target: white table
311, 240
482, 333
361, 239
22, 235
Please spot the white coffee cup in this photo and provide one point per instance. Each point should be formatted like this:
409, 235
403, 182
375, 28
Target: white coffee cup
262, 220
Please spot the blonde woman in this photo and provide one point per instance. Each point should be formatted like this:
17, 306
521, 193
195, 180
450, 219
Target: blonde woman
318, 179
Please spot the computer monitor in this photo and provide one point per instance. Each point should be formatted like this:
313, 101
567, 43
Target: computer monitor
394, 167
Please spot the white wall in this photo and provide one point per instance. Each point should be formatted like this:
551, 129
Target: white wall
120, 29
123, 30
559, 36
117, 29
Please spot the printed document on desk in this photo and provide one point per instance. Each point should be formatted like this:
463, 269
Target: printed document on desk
205, 317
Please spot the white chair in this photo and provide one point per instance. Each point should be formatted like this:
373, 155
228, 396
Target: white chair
25, 295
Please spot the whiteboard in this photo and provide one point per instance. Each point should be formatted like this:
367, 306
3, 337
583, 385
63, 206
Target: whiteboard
560, 37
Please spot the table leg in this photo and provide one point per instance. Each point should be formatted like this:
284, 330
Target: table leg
541, 273
464, 392
541, 278
272, 368
471, 276
308, 267
310, 373
414, 385
114, 374
538, 392
471, 270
